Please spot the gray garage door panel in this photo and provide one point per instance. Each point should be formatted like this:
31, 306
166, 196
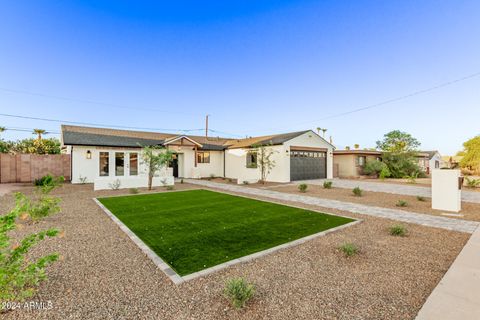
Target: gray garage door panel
306, 165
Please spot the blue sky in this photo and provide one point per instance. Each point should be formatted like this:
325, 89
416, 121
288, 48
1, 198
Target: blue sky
257, 67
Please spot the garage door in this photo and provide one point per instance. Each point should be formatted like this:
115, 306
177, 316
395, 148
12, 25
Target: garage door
308, 165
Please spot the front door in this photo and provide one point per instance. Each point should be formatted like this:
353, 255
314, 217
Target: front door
174, 165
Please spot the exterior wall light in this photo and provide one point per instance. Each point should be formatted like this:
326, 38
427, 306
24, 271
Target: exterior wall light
89, 154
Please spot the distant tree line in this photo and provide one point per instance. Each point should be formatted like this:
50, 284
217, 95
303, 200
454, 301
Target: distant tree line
38, 145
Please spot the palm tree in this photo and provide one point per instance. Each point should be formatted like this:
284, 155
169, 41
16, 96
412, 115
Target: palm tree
318, 130
39, 133
324, 130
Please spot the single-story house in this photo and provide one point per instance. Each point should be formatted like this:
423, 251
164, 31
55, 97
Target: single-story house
107, 157
428, 160
350, 163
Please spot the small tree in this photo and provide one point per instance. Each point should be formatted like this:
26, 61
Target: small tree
264, 160
155, 158
397, 141
471, 155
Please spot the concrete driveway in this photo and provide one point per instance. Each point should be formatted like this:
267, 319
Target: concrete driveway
409, 190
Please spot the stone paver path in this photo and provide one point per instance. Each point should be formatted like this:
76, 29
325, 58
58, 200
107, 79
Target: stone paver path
400, 215
457, 296
409, 190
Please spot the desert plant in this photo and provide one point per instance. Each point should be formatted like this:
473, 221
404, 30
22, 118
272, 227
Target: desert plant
48, 180
115, 185
401, 203
374, 168
303, 187
412, 178
420, 198
384, 173
19, 276
472, 183
170, 187
238, 291
246, 182
230, 180
349, 249
181, 181
133, 190
357, 192
327, 184
212, 176
398, 230
83, 180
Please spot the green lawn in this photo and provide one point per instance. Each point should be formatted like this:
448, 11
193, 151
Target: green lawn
197, 229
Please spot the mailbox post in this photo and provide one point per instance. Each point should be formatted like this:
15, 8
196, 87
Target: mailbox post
447, 190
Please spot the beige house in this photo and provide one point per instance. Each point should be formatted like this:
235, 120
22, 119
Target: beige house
350, 163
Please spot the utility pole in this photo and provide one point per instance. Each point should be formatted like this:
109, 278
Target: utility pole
206, 126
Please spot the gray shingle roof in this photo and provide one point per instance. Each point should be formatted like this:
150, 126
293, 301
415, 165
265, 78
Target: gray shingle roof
92, 139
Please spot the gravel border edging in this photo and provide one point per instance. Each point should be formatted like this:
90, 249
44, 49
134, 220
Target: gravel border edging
177, 279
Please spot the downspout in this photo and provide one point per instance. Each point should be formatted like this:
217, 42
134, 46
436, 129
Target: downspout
71, 165
224, 163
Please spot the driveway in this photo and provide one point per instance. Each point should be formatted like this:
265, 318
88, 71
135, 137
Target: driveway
409, 190
10, 187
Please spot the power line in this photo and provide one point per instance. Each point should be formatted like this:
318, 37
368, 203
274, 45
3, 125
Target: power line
29, 130
385, 102
113, 105
95, 124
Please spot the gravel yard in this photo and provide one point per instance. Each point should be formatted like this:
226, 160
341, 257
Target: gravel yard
103, 275
470, 211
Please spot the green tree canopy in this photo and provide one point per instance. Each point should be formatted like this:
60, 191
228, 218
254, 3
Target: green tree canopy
471, 154
397, 141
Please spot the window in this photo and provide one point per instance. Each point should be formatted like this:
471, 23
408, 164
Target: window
119, 163
361, 161
251, 159
133, 164
203, 157
104, 164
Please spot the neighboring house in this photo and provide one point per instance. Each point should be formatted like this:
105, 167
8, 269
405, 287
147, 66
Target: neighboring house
350, 163
103, 156
429, 160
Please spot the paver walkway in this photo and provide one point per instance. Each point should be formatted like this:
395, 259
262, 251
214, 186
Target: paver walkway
400, 215
409, 190
457, 296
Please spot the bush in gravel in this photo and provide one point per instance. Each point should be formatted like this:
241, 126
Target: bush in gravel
420, 198
115, 185
357, 192
398, 230
41, 204
327, 184
302, 187
402, 203
170, 187
19, 275
246, 182
472, 183
181, 180
349, 249
238, 291
133, 190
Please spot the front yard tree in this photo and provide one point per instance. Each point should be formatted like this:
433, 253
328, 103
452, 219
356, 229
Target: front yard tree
397, 141
155, 158
264, 160
471, 155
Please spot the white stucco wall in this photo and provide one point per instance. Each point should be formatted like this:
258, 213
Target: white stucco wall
90, 168
186, 163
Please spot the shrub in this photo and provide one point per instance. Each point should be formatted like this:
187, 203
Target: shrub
41, 205
385, 173
357, 192
49, 181
246, 182
402, 203
19, 276
170, 187
115, 185
412, 178
327, 184
133, 190
420, 198
238, 291
398, 230
375, 168
212, 176
303, 187
401, 164
181, 180
472, 183
349, 249
83, 180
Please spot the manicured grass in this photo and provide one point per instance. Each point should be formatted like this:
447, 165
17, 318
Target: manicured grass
197, 229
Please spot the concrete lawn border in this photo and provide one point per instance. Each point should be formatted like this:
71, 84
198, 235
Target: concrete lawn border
177, 279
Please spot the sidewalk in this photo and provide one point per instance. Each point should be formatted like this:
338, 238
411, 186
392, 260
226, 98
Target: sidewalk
457, 296
399, 215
